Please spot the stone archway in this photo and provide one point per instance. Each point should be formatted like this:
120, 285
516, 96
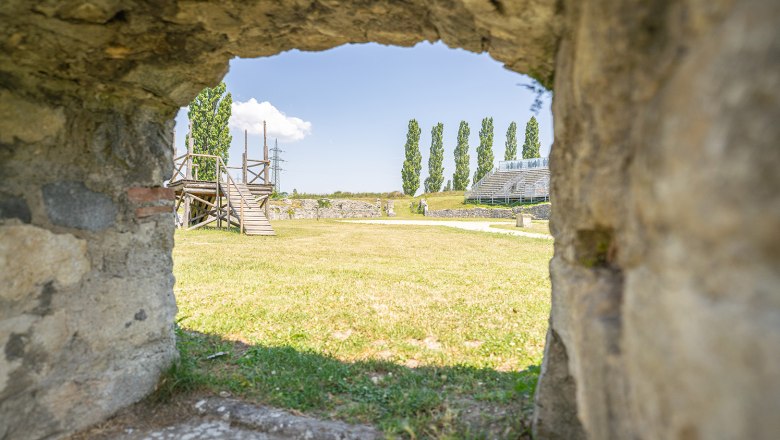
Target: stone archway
665, 320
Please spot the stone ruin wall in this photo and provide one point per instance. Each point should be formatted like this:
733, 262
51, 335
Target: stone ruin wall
86, 300
665, 322
539, 212
665, 315
288, 209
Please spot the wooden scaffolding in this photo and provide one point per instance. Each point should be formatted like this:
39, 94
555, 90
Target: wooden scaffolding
223, 200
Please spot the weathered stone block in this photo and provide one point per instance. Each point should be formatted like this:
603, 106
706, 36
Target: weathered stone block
14, 207
27, 121
523, 221
73, 205
31, 257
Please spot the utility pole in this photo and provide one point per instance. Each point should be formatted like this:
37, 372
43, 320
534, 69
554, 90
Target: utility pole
276, 166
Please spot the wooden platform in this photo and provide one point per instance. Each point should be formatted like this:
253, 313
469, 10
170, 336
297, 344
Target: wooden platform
221, 200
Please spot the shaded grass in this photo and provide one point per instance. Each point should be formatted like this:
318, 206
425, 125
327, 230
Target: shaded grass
401, 326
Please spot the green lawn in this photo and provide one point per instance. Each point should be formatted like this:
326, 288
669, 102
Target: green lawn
537, 226
426, 332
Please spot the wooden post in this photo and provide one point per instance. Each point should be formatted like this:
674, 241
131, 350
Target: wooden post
190, 149
265, 155
228, 206
245, 151
266, 166
216, 199
241, 220
173, 144
188, 176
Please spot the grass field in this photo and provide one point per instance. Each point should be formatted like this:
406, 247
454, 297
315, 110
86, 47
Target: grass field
537, 226
426, 332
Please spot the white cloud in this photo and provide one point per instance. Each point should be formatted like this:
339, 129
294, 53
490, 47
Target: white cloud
249, 116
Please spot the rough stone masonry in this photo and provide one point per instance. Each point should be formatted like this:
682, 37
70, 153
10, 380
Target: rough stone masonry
287, 209
666, 290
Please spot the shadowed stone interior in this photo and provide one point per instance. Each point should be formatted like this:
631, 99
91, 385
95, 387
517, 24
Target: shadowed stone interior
665, 309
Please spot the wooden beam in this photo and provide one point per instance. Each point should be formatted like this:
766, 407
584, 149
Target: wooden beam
190, 151
188, 175
203, 201
265, 154
216, 183
201, 224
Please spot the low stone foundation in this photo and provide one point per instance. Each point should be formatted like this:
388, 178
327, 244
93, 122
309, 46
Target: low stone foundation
324, 208
539, 212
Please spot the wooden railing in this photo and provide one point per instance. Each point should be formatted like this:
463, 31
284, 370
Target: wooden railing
230, 183
223, 183
184, 165
262, 174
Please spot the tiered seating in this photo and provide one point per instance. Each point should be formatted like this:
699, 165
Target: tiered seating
504, 185
493, 183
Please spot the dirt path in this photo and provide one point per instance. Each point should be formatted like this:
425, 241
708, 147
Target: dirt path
469, 226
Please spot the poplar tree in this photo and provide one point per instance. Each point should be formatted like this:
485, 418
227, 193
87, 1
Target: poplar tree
410, 173
511, 142
531, 145
485, 150
460, 179
435, 167
209, 113
448, 187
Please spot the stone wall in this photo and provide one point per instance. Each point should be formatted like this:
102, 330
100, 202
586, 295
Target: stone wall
335, 208
665, 309
539, 212
665, 316
471, 213
86, 300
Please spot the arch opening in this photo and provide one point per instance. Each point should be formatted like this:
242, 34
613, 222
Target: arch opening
406, 324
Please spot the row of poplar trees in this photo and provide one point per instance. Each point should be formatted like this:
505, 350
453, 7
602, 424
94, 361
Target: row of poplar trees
410, 173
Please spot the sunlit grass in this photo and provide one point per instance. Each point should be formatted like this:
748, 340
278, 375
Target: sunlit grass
537, 226
401, 326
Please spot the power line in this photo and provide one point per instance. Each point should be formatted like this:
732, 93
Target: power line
276, 167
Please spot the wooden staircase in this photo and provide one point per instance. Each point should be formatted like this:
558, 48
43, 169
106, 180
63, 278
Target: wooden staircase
243, 202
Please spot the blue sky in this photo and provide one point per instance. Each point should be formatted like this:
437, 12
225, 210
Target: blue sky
341, 115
